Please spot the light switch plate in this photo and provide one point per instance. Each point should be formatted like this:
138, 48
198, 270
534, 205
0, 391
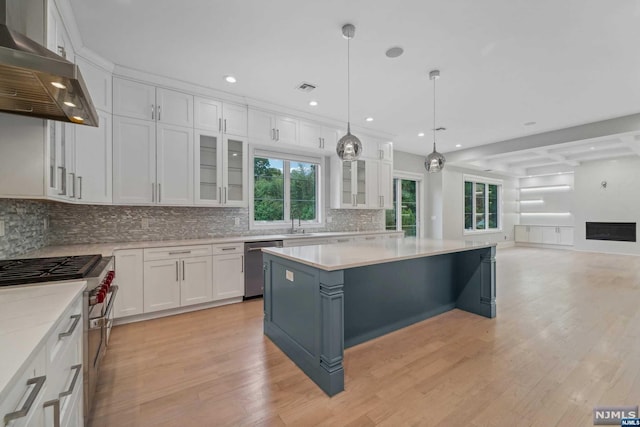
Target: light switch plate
1, 228
289, 275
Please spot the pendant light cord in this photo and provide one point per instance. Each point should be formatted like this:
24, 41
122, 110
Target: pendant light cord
434, 114
349, 85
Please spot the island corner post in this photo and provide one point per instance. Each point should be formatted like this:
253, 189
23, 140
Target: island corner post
313, 314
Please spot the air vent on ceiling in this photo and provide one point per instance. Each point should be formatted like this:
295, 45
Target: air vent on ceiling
305, 87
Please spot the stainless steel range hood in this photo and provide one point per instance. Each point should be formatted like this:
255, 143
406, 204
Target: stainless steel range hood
38, 83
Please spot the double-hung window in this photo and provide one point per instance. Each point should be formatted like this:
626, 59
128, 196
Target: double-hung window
285, 187
482, 204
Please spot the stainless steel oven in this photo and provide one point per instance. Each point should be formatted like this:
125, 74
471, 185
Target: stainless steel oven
99, 298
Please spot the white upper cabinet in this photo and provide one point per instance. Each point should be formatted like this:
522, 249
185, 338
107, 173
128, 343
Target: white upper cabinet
174, 156
174, 108
94, 162
208, 114
349, 188
134, 161
234, 119
315, 135
134, 100
266, 127
99, 83
379, 184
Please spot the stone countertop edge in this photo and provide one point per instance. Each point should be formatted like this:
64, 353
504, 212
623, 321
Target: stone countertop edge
107, 249
286, 253
27, 316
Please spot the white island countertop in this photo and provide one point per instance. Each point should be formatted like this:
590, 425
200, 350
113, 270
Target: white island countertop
27, 315
358, 254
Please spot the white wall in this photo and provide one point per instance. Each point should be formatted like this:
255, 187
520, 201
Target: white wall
453, 206
554, 201
619, 202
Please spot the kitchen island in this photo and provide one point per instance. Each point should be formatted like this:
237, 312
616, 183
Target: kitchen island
319, 300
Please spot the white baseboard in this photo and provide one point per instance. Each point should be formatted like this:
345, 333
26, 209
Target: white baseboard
545, 246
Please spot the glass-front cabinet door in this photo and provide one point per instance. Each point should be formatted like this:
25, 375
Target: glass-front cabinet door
354, 184
235, 188
208, 169
361, 183
347, 184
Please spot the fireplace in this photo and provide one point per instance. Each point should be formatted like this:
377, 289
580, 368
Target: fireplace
617, 231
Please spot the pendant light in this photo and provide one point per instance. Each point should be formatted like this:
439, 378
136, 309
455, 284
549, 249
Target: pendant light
349, 146
435, 161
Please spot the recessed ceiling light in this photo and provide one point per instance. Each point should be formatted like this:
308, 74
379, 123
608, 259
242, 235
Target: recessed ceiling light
421, 134
394, 52
69, 104
530, 123
458, 145
593, 148
369, 119
58, 85
313, 103
230, 79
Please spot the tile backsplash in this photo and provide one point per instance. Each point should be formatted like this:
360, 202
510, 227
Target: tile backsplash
24, 226
70, 224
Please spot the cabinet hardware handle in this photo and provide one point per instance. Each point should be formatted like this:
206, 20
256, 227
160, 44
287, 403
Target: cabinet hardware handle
73, 184
277, 134
39, 382
179, 252
219, 125
229, 249
242, 265
63, 181
56, 410
369, 238
159, 111
80, 185
177, 277
153, 192
159, 193
77, 368
225, 125
184, 274
219, 194
273, 134
319, 142
76, 319
254, 249
153, 112
225, 195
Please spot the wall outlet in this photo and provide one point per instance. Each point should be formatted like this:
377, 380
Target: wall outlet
237, 221
1, 228
144, 223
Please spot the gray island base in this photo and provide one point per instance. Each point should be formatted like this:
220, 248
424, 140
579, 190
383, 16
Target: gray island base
319, 300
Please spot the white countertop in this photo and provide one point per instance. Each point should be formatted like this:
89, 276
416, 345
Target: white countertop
357, 254
27, 315
106, 249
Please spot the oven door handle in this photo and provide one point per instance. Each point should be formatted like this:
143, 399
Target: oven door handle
99, 322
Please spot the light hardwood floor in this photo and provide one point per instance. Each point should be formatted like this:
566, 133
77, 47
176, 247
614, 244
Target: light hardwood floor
566, 338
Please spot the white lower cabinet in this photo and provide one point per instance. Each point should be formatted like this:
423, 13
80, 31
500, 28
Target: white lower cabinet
52, 381
177, 277
228, 271
129, 278
544, 234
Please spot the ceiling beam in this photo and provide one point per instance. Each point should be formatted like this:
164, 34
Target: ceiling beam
557, 157
631, 142
588, 131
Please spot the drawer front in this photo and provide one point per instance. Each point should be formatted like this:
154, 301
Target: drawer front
231, 248
29, 384
65, 333
157, 254
305, 242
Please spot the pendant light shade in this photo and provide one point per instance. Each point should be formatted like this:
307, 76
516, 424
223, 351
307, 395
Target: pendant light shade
349, 146
434, 161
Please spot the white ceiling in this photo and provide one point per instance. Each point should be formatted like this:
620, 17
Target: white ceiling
558, 63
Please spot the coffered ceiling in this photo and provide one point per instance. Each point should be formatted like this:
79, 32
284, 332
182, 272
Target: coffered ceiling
504, 63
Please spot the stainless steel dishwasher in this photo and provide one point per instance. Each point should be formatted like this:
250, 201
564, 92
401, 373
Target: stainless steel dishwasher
253, 274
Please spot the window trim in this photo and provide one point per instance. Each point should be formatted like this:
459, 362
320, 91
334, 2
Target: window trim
418, 178
290, 156
487, 181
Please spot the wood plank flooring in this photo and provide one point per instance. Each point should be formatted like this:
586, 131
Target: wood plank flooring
566, 339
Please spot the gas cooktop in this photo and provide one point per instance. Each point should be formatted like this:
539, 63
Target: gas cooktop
34, 270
